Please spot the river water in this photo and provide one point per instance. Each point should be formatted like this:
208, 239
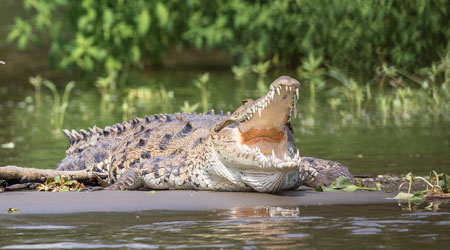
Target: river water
366, 147
315, 227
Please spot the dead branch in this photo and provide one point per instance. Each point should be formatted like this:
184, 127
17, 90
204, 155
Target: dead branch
14, 174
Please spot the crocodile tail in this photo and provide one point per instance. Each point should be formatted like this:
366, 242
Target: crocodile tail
320, 172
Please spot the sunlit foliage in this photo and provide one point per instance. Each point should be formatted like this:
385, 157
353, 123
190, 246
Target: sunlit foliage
351, 35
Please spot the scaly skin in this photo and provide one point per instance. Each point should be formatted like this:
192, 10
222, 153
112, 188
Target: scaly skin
252, 149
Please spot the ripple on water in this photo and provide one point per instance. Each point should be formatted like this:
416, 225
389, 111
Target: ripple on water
297, 235
382, 223
366, 231
41, 227
443, 223
71, 245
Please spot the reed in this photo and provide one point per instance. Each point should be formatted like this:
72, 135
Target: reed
59, 104
201, 84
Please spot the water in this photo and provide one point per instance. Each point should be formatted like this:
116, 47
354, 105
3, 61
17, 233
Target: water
314, 227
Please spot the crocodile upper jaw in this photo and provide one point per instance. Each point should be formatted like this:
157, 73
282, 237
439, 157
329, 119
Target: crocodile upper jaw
256, 135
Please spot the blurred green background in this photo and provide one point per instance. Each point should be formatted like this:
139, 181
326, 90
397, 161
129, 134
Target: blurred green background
375, 74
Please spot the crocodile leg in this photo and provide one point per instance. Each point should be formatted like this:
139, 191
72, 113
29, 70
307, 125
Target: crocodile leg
129, 180
318, 172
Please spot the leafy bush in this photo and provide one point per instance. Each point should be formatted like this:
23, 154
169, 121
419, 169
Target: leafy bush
355, 36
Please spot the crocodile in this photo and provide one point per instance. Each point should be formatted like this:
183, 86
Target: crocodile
252, 149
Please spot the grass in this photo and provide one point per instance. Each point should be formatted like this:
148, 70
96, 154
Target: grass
201, 84
420, 98
59, 104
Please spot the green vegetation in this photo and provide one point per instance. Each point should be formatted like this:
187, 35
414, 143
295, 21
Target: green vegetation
342, 184
201, 85
376, 62
37, 83
413, 98
59, 105
437, 187
13, 210
60, 184
354, 36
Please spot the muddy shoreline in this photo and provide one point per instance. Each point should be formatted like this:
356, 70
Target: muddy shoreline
31, 202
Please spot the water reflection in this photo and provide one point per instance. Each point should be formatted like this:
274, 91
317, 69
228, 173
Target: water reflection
427, 205
263, 212
318, 227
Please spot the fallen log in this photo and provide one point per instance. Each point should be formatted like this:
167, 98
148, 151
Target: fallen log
15, 174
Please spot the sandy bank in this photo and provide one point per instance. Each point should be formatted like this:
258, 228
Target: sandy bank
31, 202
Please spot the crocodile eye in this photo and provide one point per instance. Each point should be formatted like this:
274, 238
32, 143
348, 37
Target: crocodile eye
246, 101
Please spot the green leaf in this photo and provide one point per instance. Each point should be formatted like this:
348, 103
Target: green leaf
342, 184
13, 210
135, 54
162, 13
151, 192
444, 183
403, 196
143, 22
417, 196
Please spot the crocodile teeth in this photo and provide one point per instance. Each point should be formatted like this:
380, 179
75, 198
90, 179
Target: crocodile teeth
297, 91
278, 91
295, 110
259, 112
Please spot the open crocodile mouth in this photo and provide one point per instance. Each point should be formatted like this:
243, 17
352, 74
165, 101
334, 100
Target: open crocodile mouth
263, 124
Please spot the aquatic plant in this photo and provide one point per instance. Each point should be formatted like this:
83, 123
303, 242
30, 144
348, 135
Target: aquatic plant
36, 81
437, 187
127, 107
107, 87
240, 72
188, 108
342, 184
145, 97
59, 104
312, 73
350, 90
260, 69
201, 83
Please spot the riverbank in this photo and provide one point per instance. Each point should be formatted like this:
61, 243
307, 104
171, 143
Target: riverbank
30, 202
